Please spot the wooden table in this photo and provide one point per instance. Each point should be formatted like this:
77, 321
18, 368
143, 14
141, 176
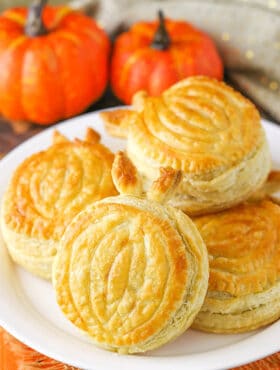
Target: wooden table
11, 135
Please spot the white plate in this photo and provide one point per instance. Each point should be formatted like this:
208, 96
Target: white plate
28, 309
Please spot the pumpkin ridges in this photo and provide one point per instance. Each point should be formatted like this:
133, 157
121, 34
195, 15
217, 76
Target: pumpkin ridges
8, 30
40, 69
7, 40
40, 66
130, 70
66, 35
212, 65
183, 31
149, 67
125, 47
85, 27
74, 75
53, 16
148, 74
177, 60
15, 15
60, 74
164, 67
143, 29
93, 84
71, 75
10, 86
125, 72
126, 44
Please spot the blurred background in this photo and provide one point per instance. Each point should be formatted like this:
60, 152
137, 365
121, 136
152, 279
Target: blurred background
4, 4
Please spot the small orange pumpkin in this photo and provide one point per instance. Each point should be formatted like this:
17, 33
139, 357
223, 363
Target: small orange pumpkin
154, 55
53, 63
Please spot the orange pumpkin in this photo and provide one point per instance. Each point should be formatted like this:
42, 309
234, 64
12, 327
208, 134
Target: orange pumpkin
154, 55
53, 63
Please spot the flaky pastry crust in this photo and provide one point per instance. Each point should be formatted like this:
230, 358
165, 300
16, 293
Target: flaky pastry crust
46, 191
116, 121
244, 255
207, 130
130, 272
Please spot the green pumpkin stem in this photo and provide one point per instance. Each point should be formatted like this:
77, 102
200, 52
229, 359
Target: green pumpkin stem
34, 24
161, 40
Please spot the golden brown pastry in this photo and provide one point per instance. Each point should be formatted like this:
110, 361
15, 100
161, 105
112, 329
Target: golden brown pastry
115, 121
270, 189
244, 256
205, 129
46, 191
131, 272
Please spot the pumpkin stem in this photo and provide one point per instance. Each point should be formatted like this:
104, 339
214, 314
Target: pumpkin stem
35, 25
161, 39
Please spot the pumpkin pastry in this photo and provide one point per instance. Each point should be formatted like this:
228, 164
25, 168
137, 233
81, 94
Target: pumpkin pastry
205, 129
46, 191
270, 190
131, 272
244, 255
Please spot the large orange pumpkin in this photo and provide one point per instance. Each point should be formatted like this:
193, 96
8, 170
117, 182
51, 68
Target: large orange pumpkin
154, 55
53, 63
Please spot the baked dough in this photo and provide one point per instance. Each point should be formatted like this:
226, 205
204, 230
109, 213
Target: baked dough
131, 272
46, 191
244, 256
115, 121
206, 129
270, 190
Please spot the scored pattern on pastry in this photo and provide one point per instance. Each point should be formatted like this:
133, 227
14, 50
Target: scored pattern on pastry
46, 191
122, 273
244, 248
197, 125
65, 177
244, 253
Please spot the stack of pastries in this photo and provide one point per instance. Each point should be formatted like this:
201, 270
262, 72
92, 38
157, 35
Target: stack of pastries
191, 239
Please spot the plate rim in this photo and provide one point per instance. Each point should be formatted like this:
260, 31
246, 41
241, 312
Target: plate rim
164, 362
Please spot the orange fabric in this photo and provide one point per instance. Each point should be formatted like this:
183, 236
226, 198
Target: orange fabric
16, 356
268, 363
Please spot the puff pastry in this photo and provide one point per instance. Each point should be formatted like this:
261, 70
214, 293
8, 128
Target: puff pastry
244, 256
131, 272
270, 190
206, 129
46, 191
115, 121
